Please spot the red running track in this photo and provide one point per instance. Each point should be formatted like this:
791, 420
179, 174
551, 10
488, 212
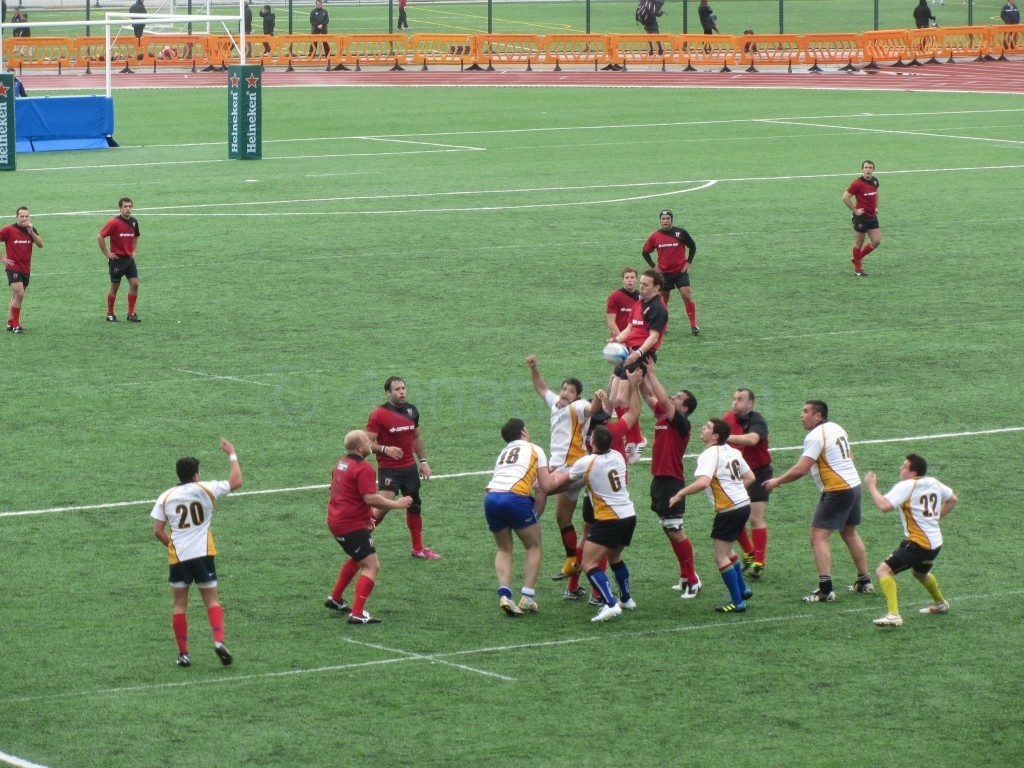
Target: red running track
971, 77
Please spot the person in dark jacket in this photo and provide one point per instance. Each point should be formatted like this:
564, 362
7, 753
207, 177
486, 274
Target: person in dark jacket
708, 20
923, 14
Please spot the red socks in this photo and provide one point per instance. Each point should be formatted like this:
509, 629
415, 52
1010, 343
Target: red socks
216, 617
684, 554
110, 304
760, 544
691, 312
415, 522
569, 541
348, 572
179, 621
364, 586
15, 320
574, 579
744, 541
132, 298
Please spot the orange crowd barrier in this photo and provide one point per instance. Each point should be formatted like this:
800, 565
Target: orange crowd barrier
576, 49
428, 49
962, 42
49, 52
885, 45
641, 48
357, 50
508, 49
173, 50
91, 51
925, 44
830, 50
768, 49
1008, 38
707, 50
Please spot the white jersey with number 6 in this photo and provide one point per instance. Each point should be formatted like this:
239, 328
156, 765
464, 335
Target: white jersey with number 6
605, 477
726, 467
919, 501
829, 447
189, 508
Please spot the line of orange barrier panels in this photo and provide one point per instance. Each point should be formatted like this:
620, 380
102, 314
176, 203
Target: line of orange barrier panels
484, 51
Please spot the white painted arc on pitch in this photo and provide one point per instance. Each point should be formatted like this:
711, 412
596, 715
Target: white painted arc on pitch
18, 762
483, 472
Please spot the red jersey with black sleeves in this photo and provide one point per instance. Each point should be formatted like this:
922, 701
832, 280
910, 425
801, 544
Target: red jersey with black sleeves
756, 456
18, 246
671, 436
124, 235
352, 477
675, 249
621, 303
866, 192
647, 316
395, 426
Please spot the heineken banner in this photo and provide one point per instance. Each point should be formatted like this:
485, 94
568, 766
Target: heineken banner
245, 113
7, 122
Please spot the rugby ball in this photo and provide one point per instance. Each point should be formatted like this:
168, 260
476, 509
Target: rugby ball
615, 353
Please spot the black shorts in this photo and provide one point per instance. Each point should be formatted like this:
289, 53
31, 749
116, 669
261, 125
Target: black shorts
613, 534
122, 266
837, 509
201, 571
641, 362
727, 525
588, 509
662, 489
756, 489
403, 480
864, 224
911, 555
17, 277
676, 280
358, 544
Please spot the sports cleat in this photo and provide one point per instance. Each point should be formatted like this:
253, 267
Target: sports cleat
640, 448
504, 603
334, 605
631, 455
16, 329
860, 273
134, 318
748, 561
756, 570
817, 596
528, 605
629, 605
748, 593
183, 660
890, 620
111, 318
691, 590
426, 554
862, 586
10, 327
595, 599
575, 594
365, 618
731, 608
695, 330
607, 612
942, 607
223, 654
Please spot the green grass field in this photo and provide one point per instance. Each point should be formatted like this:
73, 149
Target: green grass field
443, 234
568, 16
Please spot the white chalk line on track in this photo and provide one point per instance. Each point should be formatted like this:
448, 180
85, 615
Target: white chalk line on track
480, 472
743, 624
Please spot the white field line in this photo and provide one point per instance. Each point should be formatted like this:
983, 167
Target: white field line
17, 761
480, 472
742, 625
223, 378
925, 134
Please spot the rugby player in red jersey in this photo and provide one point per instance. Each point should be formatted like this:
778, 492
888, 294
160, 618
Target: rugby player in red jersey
18, 239
750, 437
861, 197
123, 231
618, 309
676, 250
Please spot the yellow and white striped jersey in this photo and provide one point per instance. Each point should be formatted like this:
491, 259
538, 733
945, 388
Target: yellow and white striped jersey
919, 500
605, 477
515, 470
568, 425
828, 445
189, 508
726, 467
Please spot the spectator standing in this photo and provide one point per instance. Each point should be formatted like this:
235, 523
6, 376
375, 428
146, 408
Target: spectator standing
123, 231
318, 21
138, 7
1010, 13
18, 239
922, 14
828, 457
861, 197
750, 436
350, 520
708, 20
21, 17
676, 251
269, 20
724, 475
403, 18
187, 509
922, 501
510, 506
394, 430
